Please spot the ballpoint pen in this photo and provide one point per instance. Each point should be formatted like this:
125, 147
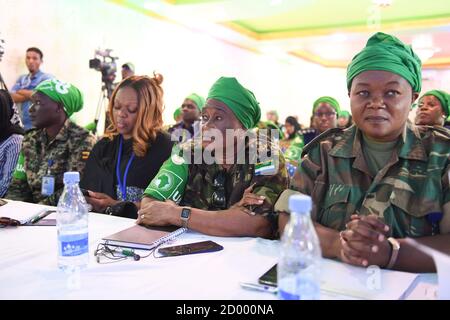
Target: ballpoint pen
258, 287
40, 216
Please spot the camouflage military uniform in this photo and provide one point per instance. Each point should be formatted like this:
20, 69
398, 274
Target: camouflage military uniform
199, 189
68, 152
411, 193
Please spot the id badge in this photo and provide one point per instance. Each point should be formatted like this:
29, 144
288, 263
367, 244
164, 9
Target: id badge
48, 185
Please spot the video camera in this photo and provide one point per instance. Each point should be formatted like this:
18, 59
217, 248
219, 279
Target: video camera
106, 64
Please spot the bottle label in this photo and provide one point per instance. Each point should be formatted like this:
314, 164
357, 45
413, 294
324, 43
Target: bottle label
74, 245
48, 185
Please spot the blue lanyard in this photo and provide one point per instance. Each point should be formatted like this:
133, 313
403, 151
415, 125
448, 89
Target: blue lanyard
123, 184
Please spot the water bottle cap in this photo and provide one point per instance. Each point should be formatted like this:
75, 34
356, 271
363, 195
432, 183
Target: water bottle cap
300, 203
71, 177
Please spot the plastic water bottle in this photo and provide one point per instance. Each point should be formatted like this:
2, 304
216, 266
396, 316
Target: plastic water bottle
72, 225
300, 258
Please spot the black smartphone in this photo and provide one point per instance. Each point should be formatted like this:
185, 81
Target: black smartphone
190, 248
270, 277
85, 192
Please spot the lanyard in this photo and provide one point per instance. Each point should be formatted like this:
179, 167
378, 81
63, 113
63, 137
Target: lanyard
49, 164
123, 184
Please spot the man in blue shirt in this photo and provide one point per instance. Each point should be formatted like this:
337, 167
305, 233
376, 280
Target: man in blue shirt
24, 86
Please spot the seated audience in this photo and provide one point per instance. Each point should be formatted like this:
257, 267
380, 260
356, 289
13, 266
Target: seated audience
324, 117
344, 120
433, 108
292, 145
230, 193
384, 179
190, 125
55, 146
122, 164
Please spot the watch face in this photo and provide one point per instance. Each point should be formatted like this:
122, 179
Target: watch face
185, 213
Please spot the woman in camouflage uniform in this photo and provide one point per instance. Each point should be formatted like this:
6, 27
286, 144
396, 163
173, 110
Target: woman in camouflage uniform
383, 180
220, 196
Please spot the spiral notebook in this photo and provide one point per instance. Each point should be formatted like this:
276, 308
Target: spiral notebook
145, 238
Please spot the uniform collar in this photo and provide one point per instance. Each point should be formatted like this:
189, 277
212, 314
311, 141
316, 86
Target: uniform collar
63, 134
411, 147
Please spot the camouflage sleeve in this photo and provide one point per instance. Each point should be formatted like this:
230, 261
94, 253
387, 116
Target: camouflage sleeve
445, 222
19, 188
306, 180
308, 171
79, 153
270, 186
446, 184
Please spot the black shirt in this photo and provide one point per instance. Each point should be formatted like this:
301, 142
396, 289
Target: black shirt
100, 171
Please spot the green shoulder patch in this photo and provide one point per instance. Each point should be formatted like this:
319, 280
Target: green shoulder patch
19, 172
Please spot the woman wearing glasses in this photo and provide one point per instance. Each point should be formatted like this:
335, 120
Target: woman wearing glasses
384, 179
122, 164
224, 187
325, 114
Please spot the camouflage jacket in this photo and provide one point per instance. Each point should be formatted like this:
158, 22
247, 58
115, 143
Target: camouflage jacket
270, 179
67, 152
411, 193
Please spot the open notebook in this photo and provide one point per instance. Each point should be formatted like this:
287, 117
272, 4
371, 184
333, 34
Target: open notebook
28, 214
140, 237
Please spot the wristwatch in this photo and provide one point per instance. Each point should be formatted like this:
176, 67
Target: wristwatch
394, 253
185, 215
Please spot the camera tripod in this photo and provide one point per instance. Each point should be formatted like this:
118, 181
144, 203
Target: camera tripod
105, 95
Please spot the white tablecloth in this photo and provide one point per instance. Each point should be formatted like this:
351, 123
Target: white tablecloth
28, 265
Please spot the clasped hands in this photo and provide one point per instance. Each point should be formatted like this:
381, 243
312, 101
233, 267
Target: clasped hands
364, 242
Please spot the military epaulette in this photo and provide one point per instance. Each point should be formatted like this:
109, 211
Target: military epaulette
320, 137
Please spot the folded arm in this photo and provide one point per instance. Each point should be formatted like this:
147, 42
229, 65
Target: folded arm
235, 221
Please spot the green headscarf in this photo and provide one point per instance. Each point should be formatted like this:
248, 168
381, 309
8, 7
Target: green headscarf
344, 114
443, 97
239, 99
198, 100
330, 100
65, 93
387, 53
177, 113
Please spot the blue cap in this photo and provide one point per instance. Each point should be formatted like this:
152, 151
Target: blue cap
300, 203
71, 177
